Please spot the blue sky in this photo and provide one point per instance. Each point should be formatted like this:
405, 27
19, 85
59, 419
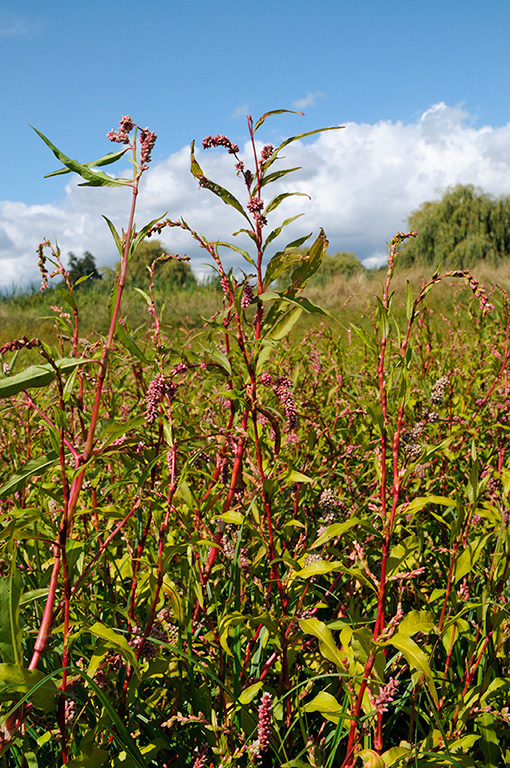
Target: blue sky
413, 81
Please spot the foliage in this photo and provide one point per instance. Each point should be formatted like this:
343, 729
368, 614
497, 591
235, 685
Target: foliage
465, 227
245, 551
333, 265
84, 267
168, 273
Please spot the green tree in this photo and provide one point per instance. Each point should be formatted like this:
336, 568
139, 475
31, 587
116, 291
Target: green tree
466, 226
171, 273
84, 267
333, 265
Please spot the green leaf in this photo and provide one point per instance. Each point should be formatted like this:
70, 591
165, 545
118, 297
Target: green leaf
319, 568
128, 343
416, 621
308, 133
93, 758
10, 633
111, 157
277, 175
249, 693
328, 706
334, 530
409, 301
415, 657
32, 467
284, 324
15, 679
142, 234
327, 644
275, 202
227, 197
279, 263
115, 236
310, 265
274, 234
469, 556
92, 178
118, 641
264, 117
246, 256
37, 376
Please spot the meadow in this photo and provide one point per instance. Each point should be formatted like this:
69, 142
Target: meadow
274, 533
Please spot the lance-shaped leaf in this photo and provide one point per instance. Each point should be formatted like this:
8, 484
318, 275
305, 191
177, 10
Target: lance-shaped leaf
37, 376
92, 178
246, 256
264, 117
310, 264
272, 235
415, 657
328, 706
10, 633
227, 197
32, 467
327, 645
275, 202
118, 641
278, 175
308, 133
111, 157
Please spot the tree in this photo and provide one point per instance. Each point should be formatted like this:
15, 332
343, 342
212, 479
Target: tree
86, 266
172, 273
341, 263
466, 226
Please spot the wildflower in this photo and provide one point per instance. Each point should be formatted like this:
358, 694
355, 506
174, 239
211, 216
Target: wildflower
158, 388
437, 393
220, 141
266, 153
386, 695
247, 295
282, 389
148, 139
264, 726
121, 135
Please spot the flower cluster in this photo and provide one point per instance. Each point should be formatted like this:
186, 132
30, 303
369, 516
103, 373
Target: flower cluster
255, 205
266, 153
386, 695
478, 290
220, 141
121, 135
158, 388
264, 725
148, 139
282, 389
437, 393
247, 295
23, 343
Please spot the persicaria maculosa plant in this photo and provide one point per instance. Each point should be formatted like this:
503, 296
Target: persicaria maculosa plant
239, 550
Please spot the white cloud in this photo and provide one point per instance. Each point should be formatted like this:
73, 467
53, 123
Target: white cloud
363, 180
309, 100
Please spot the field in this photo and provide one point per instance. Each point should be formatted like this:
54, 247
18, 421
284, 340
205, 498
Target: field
255, 539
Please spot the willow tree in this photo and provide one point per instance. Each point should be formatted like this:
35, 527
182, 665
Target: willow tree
463, 228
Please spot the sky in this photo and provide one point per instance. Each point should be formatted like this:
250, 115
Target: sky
421, 89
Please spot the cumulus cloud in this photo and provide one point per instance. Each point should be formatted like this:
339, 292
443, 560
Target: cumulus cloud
309, 100
363, 180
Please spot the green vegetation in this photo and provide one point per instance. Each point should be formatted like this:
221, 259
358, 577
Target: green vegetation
248, 547
466, 227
